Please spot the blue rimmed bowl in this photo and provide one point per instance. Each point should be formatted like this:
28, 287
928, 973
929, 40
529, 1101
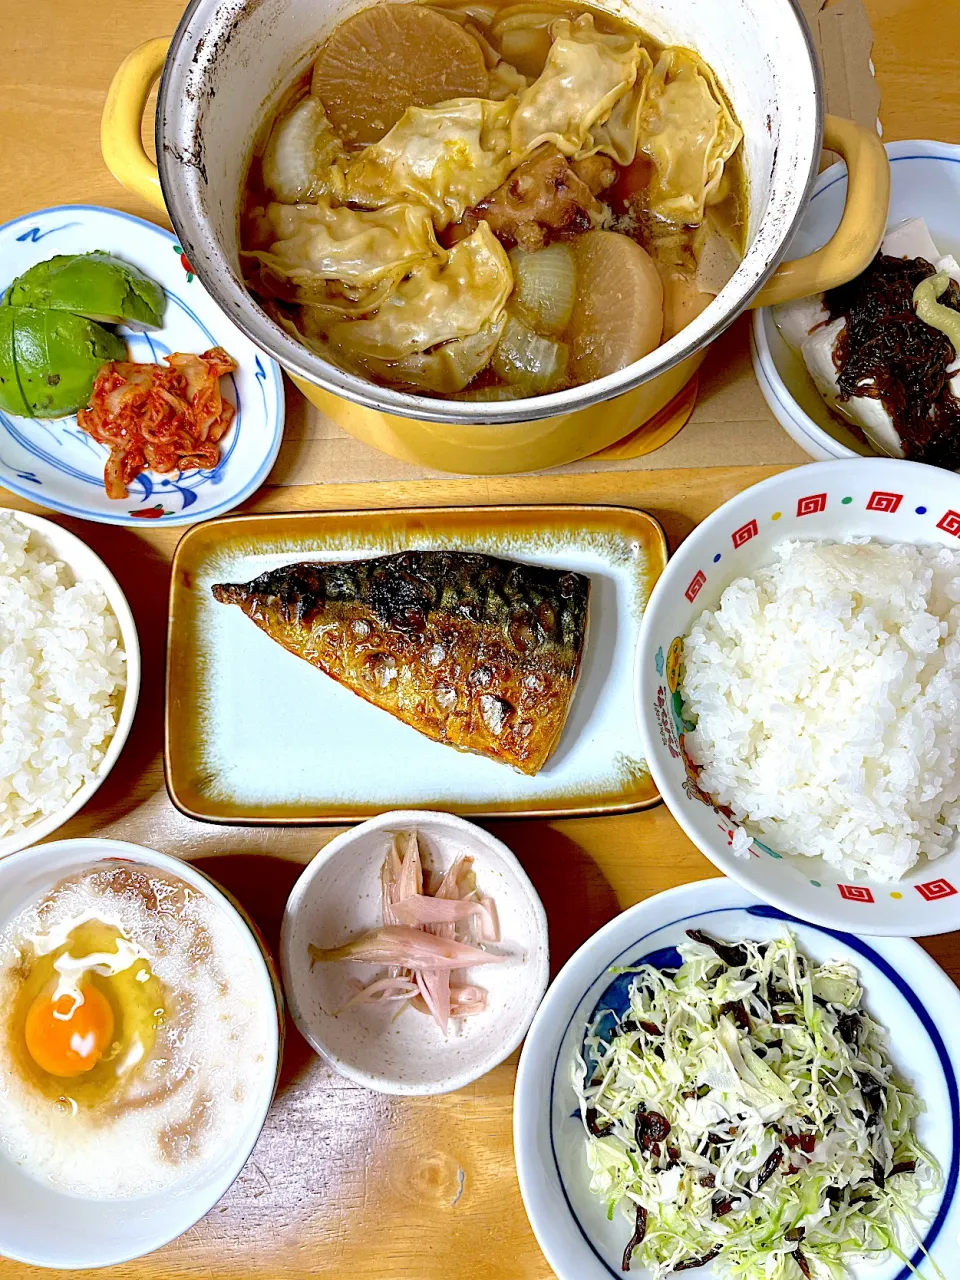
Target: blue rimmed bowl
906, 992
924, 183
882, 498
54, 463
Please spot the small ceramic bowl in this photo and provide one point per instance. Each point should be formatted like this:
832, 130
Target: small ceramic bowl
53, 462
84, 563
48, 1228
924, 183
338, 896
906, 992
881, 498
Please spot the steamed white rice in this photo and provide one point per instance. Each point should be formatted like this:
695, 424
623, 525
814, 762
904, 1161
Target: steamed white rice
826, 694
62, 673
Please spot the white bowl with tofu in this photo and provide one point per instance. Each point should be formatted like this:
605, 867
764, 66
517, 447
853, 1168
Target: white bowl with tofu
795, 367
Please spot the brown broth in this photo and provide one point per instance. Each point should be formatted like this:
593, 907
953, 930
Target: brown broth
678, 255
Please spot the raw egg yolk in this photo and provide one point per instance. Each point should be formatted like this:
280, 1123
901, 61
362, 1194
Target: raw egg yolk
68, 1043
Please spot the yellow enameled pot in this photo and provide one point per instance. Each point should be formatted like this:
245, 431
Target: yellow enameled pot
230, 60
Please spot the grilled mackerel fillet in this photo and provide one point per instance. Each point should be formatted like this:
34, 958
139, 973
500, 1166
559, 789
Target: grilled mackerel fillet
471, 650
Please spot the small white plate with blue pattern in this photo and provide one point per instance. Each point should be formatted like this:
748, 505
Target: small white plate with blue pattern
905, 991
52, 462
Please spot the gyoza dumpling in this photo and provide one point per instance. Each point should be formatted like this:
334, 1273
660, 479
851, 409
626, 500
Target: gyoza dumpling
447, 368
317, 243
586, 73
449, 157
688, 132
442, 300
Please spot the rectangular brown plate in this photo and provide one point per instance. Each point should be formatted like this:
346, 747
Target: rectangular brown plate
256, 735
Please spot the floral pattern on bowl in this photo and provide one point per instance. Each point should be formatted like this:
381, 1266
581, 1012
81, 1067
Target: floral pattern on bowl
881, 498
52, 462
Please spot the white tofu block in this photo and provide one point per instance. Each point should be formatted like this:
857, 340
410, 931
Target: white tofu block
796, 319
868, 414
910, 239
817, 352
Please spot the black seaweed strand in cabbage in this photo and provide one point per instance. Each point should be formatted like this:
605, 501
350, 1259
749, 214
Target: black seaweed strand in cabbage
636, 1239
694, 1264
903, 359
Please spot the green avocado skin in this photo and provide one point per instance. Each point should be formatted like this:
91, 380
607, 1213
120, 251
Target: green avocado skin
95, 285
57, 356
11, 397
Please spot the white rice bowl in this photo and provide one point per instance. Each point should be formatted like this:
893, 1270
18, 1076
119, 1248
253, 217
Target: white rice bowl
826, 694
63, 677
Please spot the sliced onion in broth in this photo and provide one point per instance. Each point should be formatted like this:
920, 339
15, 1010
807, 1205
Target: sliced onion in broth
527, 359
545, 286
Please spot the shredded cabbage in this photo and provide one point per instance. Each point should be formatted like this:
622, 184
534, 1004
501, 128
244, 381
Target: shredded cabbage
744, 1110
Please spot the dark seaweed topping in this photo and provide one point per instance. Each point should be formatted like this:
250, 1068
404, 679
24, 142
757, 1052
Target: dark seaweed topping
640, 1230
903, 1166
905, 359
594, 1124
797, 1233
803, 1264
708, 1180
693, 1263
879, 1177
729, 953
721, 1205
735, 1010
719, 1139
875, 1096
770, 1167
848, 1028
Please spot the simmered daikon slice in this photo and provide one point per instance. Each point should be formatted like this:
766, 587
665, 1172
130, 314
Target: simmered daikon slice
388, 58
618, 315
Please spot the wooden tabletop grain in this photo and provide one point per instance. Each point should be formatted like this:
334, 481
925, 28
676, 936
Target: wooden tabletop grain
345, 1182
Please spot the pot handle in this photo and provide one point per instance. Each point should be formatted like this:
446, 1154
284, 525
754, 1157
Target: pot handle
120, 140
857, 239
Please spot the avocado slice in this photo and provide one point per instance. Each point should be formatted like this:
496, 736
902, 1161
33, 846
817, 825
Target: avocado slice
11, 397
57, 356
96, 285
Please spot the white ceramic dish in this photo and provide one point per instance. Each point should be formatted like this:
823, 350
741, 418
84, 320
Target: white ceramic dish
48, 1228
906, 991
925, 183
51, 461
294, 746
338, 896
85, 563
877, 497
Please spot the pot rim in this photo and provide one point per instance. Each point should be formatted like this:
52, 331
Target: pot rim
298, 361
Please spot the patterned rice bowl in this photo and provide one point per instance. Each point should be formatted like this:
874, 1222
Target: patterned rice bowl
52, 462
881, 498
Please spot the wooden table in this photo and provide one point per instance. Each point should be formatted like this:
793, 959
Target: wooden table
345, 1182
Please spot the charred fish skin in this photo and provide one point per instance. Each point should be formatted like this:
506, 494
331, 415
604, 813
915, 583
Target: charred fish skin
474, 651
